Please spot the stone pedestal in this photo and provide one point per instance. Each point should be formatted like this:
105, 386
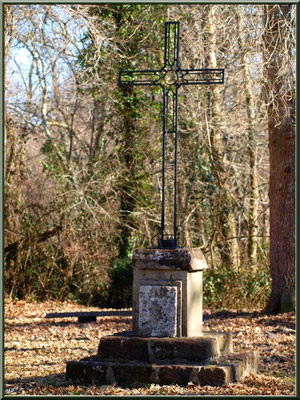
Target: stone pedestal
167, 292
167, 345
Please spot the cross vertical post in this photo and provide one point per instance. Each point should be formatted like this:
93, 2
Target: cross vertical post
170, 77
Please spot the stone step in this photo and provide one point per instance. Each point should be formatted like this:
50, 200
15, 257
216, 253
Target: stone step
232, 368
195, 349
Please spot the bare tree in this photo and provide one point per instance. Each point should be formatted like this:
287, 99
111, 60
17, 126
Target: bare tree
251, 133
224, 215
83, 156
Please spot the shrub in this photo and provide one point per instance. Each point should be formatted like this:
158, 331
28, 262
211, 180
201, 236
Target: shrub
236, 289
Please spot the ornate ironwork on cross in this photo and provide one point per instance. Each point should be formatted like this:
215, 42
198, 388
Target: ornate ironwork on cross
170, 77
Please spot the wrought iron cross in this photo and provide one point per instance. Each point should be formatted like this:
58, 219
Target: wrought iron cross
170, 77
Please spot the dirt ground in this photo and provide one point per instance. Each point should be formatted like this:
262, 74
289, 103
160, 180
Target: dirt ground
37, 349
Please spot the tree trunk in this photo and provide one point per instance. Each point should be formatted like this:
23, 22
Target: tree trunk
281, 126
250, 109
128, 138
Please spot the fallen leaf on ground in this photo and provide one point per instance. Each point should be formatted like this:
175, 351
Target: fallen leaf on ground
37, 349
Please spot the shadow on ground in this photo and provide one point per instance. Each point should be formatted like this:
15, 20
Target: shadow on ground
13, 386
67, 323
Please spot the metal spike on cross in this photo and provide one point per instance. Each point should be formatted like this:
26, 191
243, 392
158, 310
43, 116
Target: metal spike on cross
170, 77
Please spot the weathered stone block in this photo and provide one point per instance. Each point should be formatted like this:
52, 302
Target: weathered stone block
116, 347
184, 259
224, 340
157, 311
215, 375
136, 373
245, 363
181, 374
196, 349
87, 372
133, 375
188, 349
171, 267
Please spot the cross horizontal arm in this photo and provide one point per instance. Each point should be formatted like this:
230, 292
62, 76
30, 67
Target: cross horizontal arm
201, 76
142, 77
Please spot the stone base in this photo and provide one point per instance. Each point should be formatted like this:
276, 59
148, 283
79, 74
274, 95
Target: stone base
167, 292
135, 374
155, 350
133, 361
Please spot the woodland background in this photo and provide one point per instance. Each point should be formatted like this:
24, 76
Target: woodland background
83, 155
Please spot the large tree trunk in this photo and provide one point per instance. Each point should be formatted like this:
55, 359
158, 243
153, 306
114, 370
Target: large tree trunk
281, 126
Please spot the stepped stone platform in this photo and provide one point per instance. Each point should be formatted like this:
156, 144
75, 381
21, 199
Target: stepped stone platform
128, 360
167, 344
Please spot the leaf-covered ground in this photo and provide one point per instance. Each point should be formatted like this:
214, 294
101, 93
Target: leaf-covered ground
37, 349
